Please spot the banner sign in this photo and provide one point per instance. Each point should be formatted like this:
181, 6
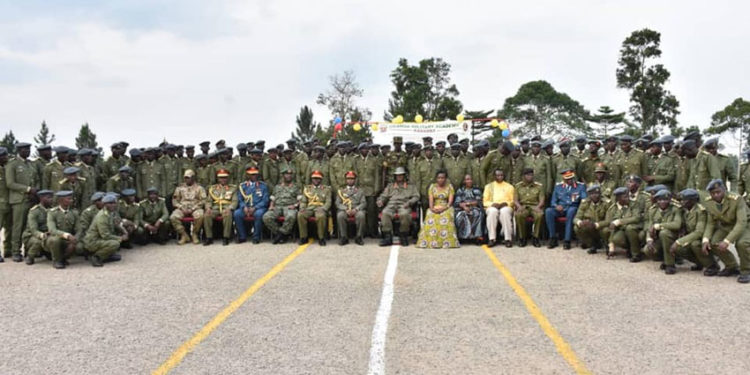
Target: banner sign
412, 131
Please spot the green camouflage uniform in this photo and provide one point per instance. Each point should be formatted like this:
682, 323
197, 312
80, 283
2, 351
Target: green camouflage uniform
285, 200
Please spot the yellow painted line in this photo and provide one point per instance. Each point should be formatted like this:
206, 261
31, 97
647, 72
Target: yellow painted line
562, 346
189, 345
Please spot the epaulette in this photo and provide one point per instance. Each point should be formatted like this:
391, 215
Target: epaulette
708, 198
732, 196
538, 183
55, 161
34, 207
56, 208
62, 181
82, 179
700, 207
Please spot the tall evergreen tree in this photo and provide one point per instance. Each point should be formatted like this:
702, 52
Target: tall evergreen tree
306, 126
9, 142
86, 138
44, 137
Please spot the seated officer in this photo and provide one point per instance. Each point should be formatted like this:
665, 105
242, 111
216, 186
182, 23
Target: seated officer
154, 217
315, 201
616, 228
662, 226
350, 202
566, 197
188, 201
529, 202
284, 202
253, 202
62, 222
222, 201
593, 210
397, 198
35, 235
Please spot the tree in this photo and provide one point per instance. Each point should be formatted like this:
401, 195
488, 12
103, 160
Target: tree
9, 142
341, 101
608, 122
735, 116
44, 137
86, 138
538, 109
652, 105
306, 126
478, 124
424, 89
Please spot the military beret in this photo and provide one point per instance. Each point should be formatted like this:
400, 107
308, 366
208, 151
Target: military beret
385, 147
116, 145
361, 146
689, 194
261, 142
222, 150
626, 138
633, 177
548, 143
417, 146
204, 144
610, 138
536, 144
242, 146
291, 140
692, 135
3, 151
483, 143
525, 140
653, 189
256, 151
655, 142
212, 155
170, 146
527, 170
125, 168
466, 140
44, 192
648, 137
287, 151
200, 157
97, 196
620, 191
580, 139
564, 142
273, 150
452, 135
456, 146
688, 143
663, 194
319, 148
440, 143
374, 145
221, 142
714, 184
428, 147
64, 193
71, 170
150, 190
536, 138
341, 145
128, 192
427, 139
409, 144
124, 144
189, 147
44, 148
23, 145
307, 142
508, 145
135, 152
109, 198
711, 143
398, 139
593, 188
669, 138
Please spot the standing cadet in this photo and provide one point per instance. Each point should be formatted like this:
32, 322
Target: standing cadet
122, 180
727, 225
75, 184
394, 159
413, 159
300, 161
316, 163
542, 167
606, 184
86, 218
529, 202
397, 198
743, 184
5, 213
44, 157
726, 168
662, 228
35, 234
62, 223
427, 168
350, 203
151, 174
203, 171
475, 165
338, 165
172, 173
115, 161
593, 209
617, 229
88, 173
20, 179
368, 169
580, 150
689, 245
101, 240
631, 161
154, 217
456, 165
662, 167
682, 168
271, 171
253, 199
284, 202
188, 201
611, 157
703, 168
315, 201
639, 203
222, 201
589, 162
564, 160
499, 159
52, 173
129, 212
565, 200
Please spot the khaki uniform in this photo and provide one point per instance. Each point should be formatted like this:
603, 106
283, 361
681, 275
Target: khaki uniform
607, 187
689, 245
35, 234
611, 160
495, 160
704, 168
84, 222
52, 173
457, 168
529, 196
426, 170
727, 221
562, 162
475, 168
203, 176
111, 166
594, 212
117, 184
190, 199
350, 198
300, 167
393, 160
271, 173
682, 173
222, 201
369, 175
5, 214
172, 174
397, 200
667, 223
152, 174
743, 183
317, 165
77, 188
626, 232
20, 177
728, 171
101, 240
338, 165
542, 172
587, 167
130, 214
632, 163
89, 176
315, 201
62, 224
151, 213
285, 201
664, 170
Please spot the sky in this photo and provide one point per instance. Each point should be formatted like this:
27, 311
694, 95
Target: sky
190, 70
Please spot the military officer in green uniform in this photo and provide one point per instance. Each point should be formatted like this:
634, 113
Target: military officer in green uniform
589, 162
115, 161
222, 201
44, 156
284, 202
398, 198
154, 218
62, 223
611, 157
500, 159
727, 225
350, 203
619, 229
101, 241
662, 167
85, 219
368, 170
427, 168
5, 213
564, 160
52, 173
130, 215
688, 246
88, 173
593, 210
542, 167
640, 201
151, 174
338, 165
726, 168
75, 184
743, 183
35, 234
316, 163
122, 180
271, 169
21, 181
631, 161
606, 184
682, 168
529, 202
662, 228
315, 201
394, 159
203, 171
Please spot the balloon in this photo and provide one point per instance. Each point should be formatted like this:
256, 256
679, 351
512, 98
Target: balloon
418, 119
506, 133
460, 118
338, 127
494, 123
357, 127
398, 119
374, 127
503, 125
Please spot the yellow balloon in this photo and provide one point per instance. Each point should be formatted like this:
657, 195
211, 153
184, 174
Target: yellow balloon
494, 123
374, 127
357, 127
460, 118
398, 119
418, 119
503, 125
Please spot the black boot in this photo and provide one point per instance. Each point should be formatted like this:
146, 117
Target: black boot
276, 238
552, 243
359, 241
343, 241
387, 240
208, 241
303, 241
404, 239
535, 241
225, 241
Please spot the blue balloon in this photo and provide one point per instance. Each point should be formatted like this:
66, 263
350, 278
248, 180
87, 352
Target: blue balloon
506, 133
337, 120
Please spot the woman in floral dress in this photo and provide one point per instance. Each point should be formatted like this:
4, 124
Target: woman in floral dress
438, 230
469, 211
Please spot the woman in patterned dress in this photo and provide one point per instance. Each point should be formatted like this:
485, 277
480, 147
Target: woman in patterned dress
438, 230
469, 211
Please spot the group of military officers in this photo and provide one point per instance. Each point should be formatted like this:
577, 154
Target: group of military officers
157, 190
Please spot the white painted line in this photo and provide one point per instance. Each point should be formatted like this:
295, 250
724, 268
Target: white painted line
380, 330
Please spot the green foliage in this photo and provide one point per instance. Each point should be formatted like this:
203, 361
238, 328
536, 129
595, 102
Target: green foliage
538, 109
733, 117
652, 105
423, 89
44, 137
306, 126
679, 131
86, 138
607, 123
9, 142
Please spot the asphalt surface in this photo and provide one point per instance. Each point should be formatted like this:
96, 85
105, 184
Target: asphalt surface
453, 312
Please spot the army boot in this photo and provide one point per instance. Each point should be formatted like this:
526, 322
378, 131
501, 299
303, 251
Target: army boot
184, 238
387, 239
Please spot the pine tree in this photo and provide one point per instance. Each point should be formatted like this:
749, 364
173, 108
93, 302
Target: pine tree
306, 126
86, 138
44, 137
9, 142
